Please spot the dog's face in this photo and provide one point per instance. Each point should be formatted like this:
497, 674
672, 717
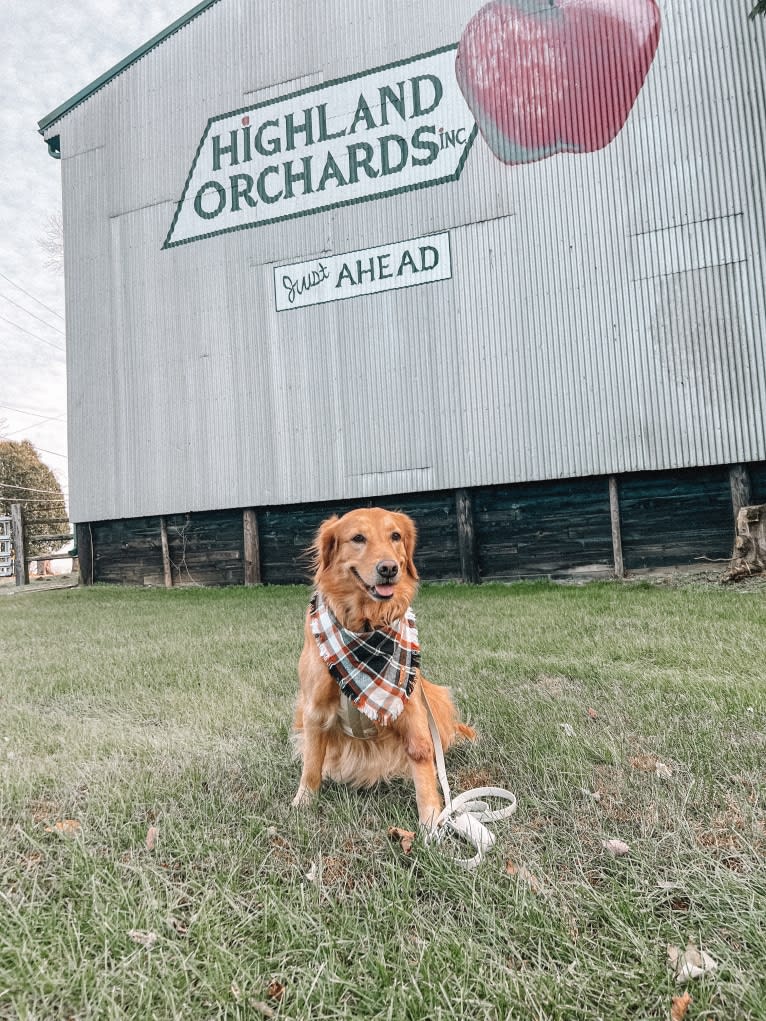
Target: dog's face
364, 565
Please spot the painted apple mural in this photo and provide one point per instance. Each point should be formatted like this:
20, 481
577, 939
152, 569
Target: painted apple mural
548, 76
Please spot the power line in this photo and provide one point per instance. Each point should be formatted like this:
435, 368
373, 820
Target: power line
46, 307
11, 323
37, 447
35, 501
36, 425
54, 452
29, 489
26, 310
12, 498
20, 411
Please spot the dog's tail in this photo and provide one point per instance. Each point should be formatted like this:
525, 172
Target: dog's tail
465, 731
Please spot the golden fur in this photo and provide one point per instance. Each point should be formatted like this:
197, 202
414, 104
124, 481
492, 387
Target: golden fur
364, 569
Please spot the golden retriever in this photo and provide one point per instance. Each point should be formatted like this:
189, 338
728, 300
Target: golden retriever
365, 575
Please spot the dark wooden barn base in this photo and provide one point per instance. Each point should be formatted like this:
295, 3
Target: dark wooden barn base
594, 527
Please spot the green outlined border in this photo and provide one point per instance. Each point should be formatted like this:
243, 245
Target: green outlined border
365, 294
332, 205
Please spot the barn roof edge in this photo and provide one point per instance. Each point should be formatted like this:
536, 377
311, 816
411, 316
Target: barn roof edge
123, 65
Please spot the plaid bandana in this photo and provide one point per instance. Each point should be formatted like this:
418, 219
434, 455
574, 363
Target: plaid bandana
374, 669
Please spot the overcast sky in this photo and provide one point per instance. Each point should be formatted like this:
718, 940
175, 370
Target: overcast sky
51, 49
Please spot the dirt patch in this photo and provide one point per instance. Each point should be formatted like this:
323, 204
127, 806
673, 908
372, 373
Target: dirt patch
694, 576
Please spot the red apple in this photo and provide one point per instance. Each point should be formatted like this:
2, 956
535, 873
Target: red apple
549, 76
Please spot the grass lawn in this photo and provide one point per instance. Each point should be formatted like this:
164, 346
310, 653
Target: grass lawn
125, 710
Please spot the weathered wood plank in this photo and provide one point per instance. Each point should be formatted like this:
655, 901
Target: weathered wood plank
562, 528
757, 474
544, 529
678, 517
287, 532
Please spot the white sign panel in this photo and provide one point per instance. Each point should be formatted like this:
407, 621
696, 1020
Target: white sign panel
368, 271
368, 136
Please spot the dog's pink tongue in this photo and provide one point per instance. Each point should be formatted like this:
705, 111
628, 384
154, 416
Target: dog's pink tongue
384, 590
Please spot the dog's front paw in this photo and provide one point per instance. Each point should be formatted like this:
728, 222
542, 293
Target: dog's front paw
427, 817
303, 798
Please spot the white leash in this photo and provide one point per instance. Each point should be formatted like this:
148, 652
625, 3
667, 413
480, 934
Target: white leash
466, 814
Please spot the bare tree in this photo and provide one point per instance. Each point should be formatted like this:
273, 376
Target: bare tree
52, 243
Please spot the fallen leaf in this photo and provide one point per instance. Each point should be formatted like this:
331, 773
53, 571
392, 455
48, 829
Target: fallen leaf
662, 770
69, 827
405, 837
568, 729
592, 714
312, 872
680, 1006
275, 990
646, 763
151, 838
692, 963
616, 847
523, 873
235, 992
146, 939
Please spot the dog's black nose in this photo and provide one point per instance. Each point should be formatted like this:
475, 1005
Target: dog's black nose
387, 569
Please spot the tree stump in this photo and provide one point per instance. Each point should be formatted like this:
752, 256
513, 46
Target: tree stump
749, 556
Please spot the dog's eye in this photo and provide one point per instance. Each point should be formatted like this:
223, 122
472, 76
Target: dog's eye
395, 537
359, 538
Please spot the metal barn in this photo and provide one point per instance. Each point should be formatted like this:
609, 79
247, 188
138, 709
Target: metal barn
324, 255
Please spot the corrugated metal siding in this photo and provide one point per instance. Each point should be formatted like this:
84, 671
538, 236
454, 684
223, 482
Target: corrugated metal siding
605, 312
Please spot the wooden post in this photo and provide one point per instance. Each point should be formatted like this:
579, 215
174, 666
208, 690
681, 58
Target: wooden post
466, 538
166, 570
252, 548
21, 566
83, 535
614, 511
741, 492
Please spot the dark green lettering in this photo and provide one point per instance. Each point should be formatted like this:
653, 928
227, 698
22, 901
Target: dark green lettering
220, 191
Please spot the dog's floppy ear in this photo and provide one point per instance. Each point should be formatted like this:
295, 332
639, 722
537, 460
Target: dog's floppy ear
325, 544
409, 537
